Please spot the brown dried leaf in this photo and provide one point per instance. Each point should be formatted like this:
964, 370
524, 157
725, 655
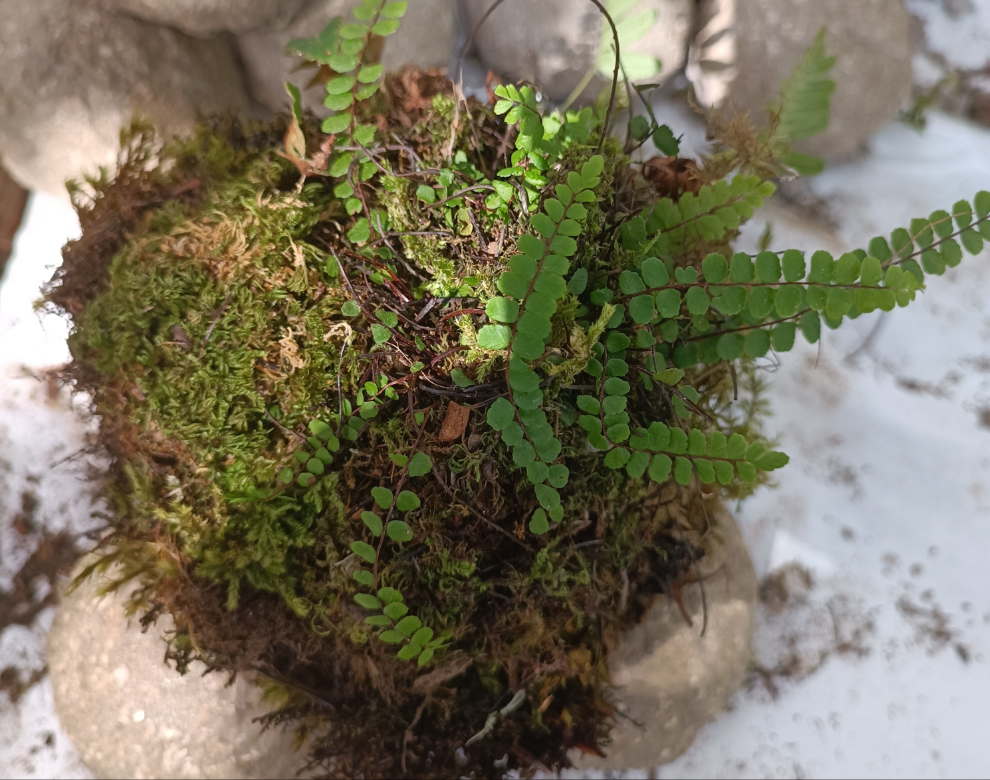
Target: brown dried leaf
295, 148
672, 176
454, 422
322, 157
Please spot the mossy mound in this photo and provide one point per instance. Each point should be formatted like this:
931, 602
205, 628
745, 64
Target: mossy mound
262, 363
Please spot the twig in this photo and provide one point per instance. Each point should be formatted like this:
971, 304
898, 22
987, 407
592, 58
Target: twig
286, 431
67, 458
492, 719
216, 321
409, 736
458, 194
411, 233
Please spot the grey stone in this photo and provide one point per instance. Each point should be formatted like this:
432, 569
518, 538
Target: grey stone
424, 40
668, 678
556, 43
746, 48
208, 17
75, 74
131, 716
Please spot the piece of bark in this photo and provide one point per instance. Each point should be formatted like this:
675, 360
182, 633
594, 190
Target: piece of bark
13, 200
454, 422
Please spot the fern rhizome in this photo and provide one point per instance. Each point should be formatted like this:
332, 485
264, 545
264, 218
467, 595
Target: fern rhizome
413, 412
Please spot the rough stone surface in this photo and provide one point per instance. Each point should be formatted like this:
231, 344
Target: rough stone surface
208, 17
668, 677
554, 43
746, 48
424, 39
131, 716
75, 74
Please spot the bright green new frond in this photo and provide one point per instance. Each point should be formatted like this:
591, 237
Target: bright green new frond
803, 107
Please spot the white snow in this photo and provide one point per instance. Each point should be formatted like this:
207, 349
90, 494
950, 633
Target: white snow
886, 500
37, 430
958, 30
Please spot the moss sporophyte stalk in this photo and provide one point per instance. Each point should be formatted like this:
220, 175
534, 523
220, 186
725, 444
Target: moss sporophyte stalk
412, 413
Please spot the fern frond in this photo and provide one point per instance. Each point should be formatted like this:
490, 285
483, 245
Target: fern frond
533, 283
803, 107
668, 228
342, 48
805, 97
714, 458
759, 302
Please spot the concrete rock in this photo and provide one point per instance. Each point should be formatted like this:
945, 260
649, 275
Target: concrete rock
424, 39
131, 716
555, 43
208, 17
667, 676
746, 48
75, 74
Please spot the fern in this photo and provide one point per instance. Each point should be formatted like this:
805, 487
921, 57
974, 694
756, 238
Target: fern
740, 306
752, 304
669, 228
342, 49
541, 141
533, 283
388, 604
803, 107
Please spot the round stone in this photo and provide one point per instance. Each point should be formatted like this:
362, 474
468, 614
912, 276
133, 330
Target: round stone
80, 73
677, 670
132, 716
745, 49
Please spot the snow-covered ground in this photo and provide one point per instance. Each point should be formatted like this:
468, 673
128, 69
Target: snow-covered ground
886, 501
39, 429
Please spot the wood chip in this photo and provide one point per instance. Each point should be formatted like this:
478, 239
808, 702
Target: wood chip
430, 682
454, 422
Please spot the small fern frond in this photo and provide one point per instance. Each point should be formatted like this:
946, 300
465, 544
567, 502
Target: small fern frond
803, 107
670, 228
343, 49
805, 97
533, 283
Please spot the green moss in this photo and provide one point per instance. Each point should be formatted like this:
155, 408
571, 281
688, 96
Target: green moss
242, 309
